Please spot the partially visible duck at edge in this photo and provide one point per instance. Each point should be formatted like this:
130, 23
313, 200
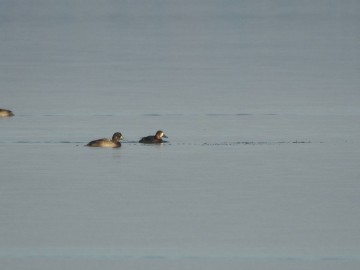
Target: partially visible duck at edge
6, 113
157, 138
113, 143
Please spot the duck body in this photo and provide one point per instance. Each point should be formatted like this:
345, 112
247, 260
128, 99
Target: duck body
6, 113
107, 143
157, 138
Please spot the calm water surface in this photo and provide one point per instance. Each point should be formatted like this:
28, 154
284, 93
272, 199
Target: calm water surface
260, 102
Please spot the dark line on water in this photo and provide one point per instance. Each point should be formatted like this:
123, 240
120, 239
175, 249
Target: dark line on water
174, 143
110, 254
145, 114
152, 114
229, 114
46, 142
256, 143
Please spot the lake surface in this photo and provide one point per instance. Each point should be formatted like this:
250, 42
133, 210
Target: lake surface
261, 104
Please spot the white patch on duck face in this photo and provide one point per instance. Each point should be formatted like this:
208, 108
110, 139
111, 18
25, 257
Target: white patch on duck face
117, 136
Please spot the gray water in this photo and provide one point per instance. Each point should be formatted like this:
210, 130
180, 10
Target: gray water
261, 104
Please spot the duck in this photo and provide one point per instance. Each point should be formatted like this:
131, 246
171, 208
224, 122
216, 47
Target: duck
6, 113
157, 138
113, 143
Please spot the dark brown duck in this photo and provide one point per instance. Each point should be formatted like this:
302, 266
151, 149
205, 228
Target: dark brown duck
157, 138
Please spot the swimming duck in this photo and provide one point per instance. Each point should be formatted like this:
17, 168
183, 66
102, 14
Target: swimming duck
6, 113
154, 139
113, 143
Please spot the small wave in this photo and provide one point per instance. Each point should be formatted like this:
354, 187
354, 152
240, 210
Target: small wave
140, 254
152, 114
229, 114
129, 142
254, 143
46, 142
173, 143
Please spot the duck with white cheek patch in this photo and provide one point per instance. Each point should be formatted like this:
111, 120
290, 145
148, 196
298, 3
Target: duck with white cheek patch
157, 138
